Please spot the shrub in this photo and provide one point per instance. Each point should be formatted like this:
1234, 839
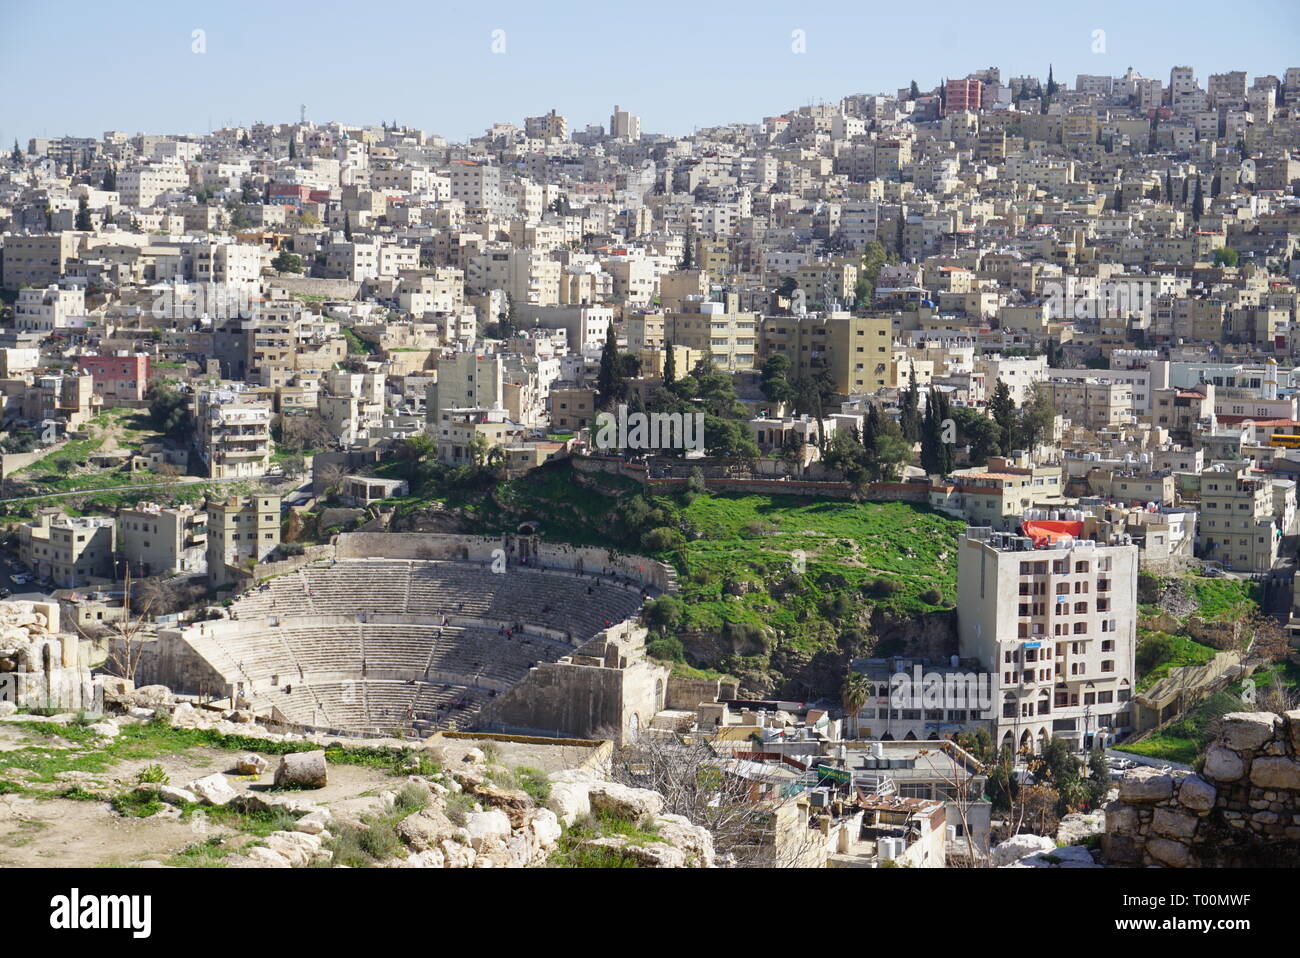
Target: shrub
152, 774
666, 611
458, 807
882, 588
932, 596
666, 649
662, 539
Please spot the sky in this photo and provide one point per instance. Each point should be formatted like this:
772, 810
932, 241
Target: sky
454, 68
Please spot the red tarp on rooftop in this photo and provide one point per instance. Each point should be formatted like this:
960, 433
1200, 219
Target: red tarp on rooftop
1044, 532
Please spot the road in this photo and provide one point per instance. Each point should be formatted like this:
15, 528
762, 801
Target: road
144, 485
1144, 760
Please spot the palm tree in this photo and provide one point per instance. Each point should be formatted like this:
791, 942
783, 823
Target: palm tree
854, 694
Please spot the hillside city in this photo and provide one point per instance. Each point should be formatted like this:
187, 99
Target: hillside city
902, 481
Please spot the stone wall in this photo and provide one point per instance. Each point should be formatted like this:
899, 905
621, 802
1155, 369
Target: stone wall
170, 660
1242, 810
608, 688
464, 548
38, 667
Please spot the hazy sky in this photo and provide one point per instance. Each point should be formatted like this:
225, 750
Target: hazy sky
81, 68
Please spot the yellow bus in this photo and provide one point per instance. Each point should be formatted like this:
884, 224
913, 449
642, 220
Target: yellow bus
1284, 439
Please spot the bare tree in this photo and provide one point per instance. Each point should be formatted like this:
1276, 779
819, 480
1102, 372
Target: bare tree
702, 786
962, 796
329, 476
124, 638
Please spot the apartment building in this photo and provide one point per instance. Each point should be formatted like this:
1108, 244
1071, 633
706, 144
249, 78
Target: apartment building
858, 350
999, 494
624, 125
141, 185
571, 408
53, 307
159, 540
117, 378
39, 261
239, 530
720, 329
233, 433
1236, 526
225, 263
1092, 403
1056, 626
67, 550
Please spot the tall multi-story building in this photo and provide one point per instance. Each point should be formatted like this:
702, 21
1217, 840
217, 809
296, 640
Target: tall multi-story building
624, 125
1056, 627
240, 529
720, 329
233, 434
962, 95
36, 260
68, 550
1236, 526
156, 540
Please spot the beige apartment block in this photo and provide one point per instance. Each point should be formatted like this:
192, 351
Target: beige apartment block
720, 329
67, 550
1057, 629
240, 529
156, 540
1236, 526
233, 434
37, 260
1091, 403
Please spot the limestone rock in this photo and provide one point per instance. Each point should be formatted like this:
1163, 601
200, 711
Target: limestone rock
1276, 773
1196, 793
1171, 824
177, 796
429, 858
625, 801
485, 828
1292, 724
1121, 819
266, 858
546, 828
150, 696
298, 848
7, 709
457, 855
105, 729
570, 801
1223, 765
695, 840
250, 764
185, 715
1077, 826
301, 770
426, 829
1166, 852
650, 855
213, 790
1142, 785
314, 822
1246, 731
1019, 846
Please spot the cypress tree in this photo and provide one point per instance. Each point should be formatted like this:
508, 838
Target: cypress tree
83, 221
1198, 202
1002, 409
670, 365
608, 381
